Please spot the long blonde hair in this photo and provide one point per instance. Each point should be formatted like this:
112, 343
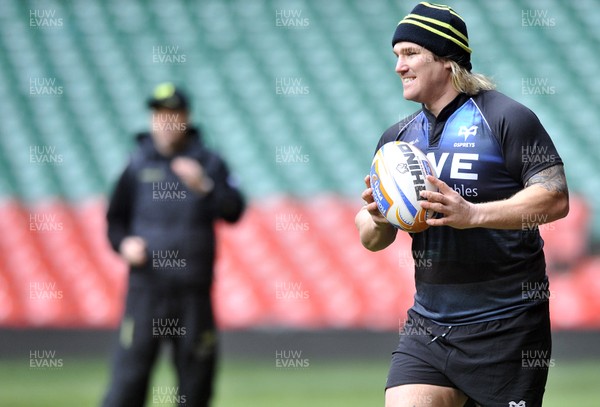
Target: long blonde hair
469, 82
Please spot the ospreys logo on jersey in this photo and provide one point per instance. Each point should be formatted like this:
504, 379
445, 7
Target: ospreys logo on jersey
466, 132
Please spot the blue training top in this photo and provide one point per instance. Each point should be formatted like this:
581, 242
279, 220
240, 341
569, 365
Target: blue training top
485, 147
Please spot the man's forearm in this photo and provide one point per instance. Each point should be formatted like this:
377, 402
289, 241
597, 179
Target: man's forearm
528, 208
373, 236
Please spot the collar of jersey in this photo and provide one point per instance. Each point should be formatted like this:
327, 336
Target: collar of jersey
447, 111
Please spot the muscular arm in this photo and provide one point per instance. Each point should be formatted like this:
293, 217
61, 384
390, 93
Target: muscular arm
551, 179
376, 233
544, 199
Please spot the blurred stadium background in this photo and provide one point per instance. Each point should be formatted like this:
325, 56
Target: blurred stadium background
295, 95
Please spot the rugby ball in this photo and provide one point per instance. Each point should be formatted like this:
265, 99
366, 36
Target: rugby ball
398, 175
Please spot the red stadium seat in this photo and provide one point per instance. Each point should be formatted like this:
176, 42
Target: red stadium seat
287, 263
566, 240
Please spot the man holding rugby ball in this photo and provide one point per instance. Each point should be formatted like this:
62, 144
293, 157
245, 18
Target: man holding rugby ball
481, 303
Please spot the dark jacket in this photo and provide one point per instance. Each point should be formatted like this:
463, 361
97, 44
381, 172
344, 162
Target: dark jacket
177, 224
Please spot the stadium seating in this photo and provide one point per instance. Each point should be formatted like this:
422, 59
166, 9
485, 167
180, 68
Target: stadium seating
295, 108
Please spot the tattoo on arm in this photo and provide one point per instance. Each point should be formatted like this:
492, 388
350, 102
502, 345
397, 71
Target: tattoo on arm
553, 179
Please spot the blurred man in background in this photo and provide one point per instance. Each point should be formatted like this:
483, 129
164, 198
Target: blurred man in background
161, 221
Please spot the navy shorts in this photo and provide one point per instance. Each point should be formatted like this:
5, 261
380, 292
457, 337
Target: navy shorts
497, 363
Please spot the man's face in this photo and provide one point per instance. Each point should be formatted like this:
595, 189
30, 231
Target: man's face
168, 129
424, 78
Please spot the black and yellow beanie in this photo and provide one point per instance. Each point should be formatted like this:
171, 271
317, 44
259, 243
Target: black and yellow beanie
437, 28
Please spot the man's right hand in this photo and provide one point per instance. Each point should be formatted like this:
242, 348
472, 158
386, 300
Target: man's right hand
376, 232
371, 205
133, 250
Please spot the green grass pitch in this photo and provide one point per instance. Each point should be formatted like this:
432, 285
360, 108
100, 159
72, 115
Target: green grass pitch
322, 383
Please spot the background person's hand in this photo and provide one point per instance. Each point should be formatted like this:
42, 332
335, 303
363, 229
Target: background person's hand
133, 250
192, 174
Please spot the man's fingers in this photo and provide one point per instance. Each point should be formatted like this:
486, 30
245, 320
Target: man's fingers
186, 167
434, 206
370, 204
372, 208
441, 185
433, 196
437, 221
367, 195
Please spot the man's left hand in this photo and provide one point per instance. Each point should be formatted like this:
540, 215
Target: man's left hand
455, 210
